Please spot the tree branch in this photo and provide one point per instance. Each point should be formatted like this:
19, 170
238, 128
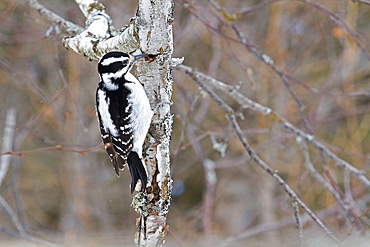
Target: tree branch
362, 1
200, 80
12, 215
93, 44
57, 147
26, 237
245, 102
342, 202
262, 228
298, 222
66, 26
99, 36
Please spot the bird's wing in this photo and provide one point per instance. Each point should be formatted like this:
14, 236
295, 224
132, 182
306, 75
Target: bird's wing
120, 110
105, 109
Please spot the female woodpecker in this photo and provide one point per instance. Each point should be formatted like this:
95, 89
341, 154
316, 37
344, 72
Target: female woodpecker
124, 114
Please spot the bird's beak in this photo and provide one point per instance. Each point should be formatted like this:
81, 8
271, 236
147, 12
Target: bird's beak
137, 57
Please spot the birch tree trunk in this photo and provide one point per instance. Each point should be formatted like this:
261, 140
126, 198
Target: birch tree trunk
154, 27
150, 32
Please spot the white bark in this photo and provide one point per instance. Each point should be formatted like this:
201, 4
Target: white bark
154, 27
151, 32
100, 36
95, 46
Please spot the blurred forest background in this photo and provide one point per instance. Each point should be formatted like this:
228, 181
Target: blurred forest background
61, 188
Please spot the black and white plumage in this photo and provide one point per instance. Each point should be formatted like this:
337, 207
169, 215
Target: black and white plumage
124, 114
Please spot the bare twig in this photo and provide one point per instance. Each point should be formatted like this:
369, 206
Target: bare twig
8, 139
298, 222
286, 221
333, 17
246, 102
342, 202
65, 82
362, 1
57, 147
293, 196
200, 80
67, 26
19, 206
242, 39
258, 6
12, 215
26, 237
324, 93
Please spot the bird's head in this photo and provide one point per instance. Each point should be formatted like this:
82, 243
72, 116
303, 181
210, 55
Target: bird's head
117, 63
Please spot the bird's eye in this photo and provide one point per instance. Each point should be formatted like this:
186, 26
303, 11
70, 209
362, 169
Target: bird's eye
124, 62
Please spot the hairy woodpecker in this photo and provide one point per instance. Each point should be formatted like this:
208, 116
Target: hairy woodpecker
124, 114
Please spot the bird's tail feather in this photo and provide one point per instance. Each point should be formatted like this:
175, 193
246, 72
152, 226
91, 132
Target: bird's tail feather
137, 171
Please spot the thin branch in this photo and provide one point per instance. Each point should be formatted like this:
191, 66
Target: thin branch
298, 222
324, 93
20, 77
258, 6
266, 59
286, 221
12, 215
274, 116
333, 17
65, 82
269, 62
57, 147
232, 118
342, 202
223, 18
362, 1
8, 11
293, 196
19, 205
67, 26
98, 38
25, 236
